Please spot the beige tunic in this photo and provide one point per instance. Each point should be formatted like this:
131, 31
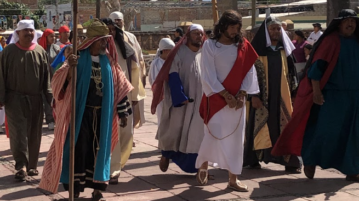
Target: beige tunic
181, 128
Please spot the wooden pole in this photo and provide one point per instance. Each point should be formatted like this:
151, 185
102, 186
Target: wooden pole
98, 7
215, 11
253, 13
73, 104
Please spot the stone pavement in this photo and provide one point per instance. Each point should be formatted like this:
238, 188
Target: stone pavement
142, 179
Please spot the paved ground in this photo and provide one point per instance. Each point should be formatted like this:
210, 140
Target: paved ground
142, 179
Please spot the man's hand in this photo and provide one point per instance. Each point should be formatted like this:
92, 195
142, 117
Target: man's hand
317, 93
230, 100
72, 60
256, 102
123, 122
134, 103
240, 102
318, 97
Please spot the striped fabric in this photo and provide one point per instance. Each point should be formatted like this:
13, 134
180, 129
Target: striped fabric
53, 165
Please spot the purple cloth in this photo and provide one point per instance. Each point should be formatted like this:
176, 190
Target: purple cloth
298, 53
8, 39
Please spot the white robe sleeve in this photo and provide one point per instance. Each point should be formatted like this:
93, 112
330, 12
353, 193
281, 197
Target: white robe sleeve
154, 70
250, 82
210, 82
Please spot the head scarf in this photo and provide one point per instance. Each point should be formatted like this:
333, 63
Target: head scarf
23, 24
125, 48
333, 26
64, 29
39, 34
1, 37
43, 40
117, 15
162, 76
165, 44
60, 58
96, 31
262, 39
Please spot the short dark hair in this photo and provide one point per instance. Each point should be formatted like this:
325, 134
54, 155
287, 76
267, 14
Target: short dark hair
180, 31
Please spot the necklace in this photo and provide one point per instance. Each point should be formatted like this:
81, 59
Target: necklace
97, 78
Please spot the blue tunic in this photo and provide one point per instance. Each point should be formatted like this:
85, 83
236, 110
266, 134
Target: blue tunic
331, 138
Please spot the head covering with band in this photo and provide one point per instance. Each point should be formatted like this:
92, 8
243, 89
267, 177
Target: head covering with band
23, 24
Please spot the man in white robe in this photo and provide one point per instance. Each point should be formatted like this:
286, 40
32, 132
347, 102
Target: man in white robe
228, 75
165, 47
180, 132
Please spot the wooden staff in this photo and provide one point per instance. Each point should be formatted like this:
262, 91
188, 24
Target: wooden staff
73, 103
215, 11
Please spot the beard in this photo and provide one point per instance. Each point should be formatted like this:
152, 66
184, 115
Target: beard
102, 51
198, 44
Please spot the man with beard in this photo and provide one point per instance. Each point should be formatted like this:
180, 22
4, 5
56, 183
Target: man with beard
228, 75
137, 74
323, 129
126, 57
101, 89
24, 78
271, 109
180, 132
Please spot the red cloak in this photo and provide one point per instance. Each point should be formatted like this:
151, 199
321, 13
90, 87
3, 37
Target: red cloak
244, 62
291, 140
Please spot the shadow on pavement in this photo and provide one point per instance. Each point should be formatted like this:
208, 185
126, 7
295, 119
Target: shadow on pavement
303, 187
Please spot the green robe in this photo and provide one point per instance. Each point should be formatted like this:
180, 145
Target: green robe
24, 77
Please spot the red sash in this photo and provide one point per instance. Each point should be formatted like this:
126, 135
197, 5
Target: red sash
244, 62
291, 140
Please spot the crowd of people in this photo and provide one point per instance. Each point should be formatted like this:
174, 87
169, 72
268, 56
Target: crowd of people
220, 99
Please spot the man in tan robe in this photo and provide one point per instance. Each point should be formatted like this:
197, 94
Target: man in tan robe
131, 61
24, 77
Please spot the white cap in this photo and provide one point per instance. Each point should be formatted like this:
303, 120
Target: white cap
39, 34
21, 25
196, 27
117, 15
166, 44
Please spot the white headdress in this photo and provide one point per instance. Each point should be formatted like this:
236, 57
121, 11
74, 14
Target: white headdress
23, 24
117, 15
196, 27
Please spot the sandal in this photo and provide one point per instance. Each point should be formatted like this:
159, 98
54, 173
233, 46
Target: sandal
32, 172
200, 179
164, 163
114, 180
238, 186
97, 197
21, 175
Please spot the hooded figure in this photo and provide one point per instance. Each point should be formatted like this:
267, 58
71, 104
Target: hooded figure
101, 90
127, 60
271, 109
323, 129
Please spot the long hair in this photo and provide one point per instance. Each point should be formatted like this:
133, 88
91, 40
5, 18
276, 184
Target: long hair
228, 18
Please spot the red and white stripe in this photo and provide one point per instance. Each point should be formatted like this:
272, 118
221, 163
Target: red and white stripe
53, 164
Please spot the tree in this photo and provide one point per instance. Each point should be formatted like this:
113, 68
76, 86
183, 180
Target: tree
8, 9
